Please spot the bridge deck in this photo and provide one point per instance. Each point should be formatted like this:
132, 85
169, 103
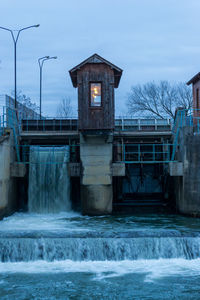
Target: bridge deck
75, 134
120, 125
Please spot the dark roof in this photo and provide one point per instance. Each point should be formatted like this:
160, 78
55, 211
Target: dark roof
95, 59
194, 79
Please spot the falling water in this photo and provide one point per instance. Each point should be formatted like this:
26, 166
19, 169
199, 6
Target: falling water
97, 249
69, 256
49, 184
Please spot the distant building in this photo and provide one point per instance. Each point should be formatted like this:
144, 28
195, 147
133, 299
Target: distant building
195, 81
24, 112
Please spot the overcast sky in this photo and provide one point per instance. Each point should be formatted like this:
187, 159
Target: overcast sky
148, 39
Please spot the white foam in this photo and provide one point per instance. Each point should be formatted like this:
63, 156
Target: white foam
47, 222
154, 269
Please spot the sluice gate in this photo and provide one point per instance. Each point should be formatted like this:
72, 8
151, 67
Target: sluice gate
138, 170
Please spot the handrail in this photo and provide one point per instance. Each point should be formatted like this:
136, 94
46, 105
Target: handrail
65, 124
144, 153
9, 120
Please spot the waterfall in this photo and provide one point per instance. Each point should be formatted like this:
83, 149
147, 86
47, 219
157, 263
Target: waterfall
98, 249
49, 182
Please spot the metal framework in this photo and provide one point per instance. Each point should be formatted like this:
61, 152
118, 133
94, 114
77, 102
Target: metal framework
131, 153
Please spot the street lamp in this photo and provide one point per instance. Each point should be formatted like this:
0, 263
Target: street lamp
41, 61
15, 39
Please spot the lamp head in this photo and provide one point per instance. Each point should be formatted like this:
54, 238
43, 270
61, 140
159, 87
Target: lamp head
37, 25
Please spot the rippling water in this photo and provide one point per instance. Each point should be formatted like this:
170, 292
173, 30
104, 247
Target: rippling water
68, 256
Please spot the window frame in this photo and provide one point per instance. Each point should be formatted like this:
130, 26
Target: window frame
90, 94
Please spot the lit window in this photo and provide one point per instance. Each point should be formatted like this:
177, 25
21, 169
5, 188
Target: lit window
95, 92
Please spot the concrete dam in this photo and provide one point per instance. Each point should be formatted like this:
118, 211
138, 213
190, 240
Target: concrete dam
98, 164
71, 190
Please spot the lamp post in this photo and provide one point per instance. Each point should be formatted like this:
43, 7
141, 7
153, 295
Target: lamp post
15, 39
41, 61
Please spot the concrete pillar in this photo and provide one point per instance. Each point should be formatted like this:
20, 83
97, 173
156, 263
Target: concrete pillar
188, 185
8, 187
96, 175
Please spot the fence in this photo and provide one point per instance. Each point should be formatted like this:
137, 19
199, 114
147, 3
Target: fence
143, 153
121, 124
185, 118
147, 124
8, 120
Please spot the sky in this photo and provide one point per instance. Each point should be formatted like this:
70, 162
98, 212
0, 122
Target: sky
151, 40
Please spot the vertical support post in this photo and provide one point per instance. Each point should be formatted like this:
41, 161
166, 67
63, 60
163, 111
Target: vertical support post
40, 91
15, 67
139, 152
168, 152
124, 152
154, 152
122, 123
122, 148
156, 127
3, 117
139, 127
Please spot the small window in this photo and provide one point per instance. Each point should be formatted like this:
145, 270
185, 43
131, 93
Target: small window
95, 94
197, 98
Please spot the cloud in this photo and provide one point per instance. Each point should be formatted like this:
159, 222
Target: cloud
149, 40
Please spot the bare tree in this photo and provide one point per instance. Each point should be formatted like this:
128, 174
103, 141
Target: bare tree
65, 109
26, 101
160, 99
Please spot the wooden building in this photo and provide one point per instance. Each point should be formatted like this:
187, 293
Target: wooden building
195, 81
96, 79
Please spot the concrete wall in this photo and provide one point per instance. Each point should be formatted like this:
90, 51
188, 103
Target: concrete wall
96, 175
8, 187
188, 185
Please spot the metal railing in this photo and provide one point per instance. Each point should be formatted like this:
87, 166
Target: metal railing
126, 153
185, 118
143, 153
144, 124
50, 124
49, 154
9, 120
189, 118
71, 124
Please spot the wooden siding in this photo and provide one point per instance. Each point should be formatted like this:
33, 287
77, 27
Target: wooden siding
92, 118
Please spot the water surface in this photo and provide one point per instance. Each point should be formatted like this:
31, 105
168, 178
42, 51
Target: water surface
68, 256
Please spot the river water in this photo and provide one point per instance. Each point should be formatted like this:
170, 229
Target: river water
69, 256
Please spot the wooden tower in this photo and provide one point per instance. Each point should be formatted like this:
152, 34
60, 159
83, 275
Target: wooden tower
96, 79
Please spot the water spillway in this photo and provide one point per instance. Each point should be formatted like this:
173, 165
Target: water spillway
49, 182
69, 236
66, 255
98, 249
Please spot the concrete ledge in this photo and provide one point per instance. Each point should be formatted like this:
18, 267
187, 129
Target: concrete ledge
176, 169
118, 169
96, 179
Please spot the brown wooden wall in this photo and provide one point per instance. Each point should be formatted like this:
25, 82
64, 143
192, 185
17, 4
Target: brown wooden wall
195, 87
95, 117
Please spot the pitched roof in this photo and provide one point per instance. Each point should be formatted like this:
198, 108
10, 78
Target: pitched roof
194, 79
95, 59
